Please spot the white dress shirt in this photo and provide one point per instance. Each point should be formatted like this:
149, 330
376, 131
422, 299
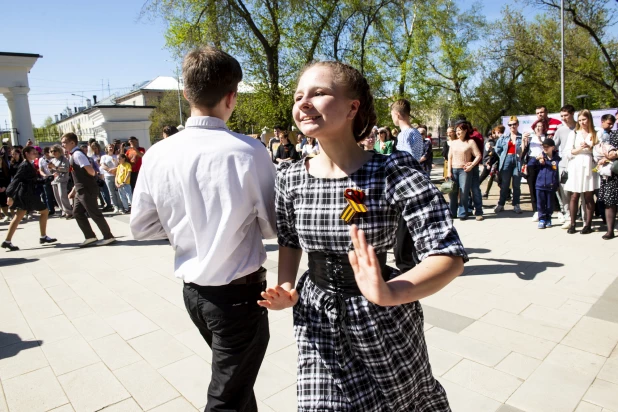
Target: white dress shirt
211, 192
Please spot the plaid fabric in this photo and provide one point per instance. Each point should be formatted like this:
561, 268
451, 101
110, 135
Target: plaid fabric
354, 355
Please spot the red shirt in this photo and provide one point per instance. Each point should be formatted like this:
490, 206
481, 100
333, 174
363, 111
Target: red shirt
478, 139
511, 149
552, 126
135, 160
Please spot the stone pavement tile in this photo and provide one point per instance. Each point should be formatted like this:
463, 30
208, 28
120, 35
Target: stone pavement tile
165, 314
20, 358
575, 306
14, 331
464, 346
63, 408
441, 361
478, 283
518, 365
271, 380
160, 348
593, 287
284, 400
34, 302
604, 394
3, 406
509, 339
178, 405
426, 326
606, 307
286, 359
513, 304
190, 377
61, 292
128, 405
543, 298
525, 325
75, 308
92, 388
114, 351
262, 407
576, 359
194, 340
34, 391
508, 408
92, 327
446, 320
69, 354
588, 407
609, 372
484, 380
48, 279
278, 342
465, 400
131, 324
555, 317
474, 310
53, 329
593, 335
283, 327
146, 385
109, 306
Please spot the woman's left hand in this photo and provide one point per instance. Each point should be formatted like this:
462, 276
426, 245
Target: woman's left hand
367, 270
9, 201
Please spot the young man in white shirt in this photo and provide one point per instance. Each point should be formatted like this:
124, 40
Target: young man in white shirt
567, 113
211, 193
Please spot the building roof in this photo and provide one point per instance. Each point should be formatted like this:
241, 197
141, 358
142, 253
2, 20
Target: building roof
103, 106
20, 54
160, 83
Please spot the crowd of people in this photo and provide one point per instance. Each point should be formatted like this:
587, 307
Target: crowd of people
42, 181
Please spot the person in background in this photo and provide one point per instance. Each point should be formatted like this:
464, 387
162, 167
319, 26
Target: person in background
450, 136
273, 144
123, 183
427, 158
311, 148
491, 159
533, 150
169, 131
104, 193
546, 182
368, 143
582, 178
567, 114
60, 168
607, 124
608, 191
543, 116
510, 148
89, 150
301, 140
5, 179
21, 195
286, 150
384, 145
134, 155
109, 163
476, 196
463, 156
44, 171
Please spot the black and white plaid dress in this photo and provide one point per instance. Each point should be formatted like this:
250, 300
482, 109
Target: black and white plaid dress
379, 363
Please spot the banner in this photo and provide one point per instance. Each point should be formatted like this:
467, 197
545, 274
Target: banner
526, 121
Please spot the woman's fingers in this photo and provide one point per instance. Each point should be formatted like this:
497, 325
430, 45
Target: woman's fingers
353, 260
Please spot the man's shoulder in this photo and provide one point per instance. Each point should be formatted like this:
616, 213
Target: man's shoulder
554, 121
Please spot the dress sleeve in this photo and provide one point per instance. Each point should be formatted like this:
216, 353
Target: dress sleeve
423, 207
284, 207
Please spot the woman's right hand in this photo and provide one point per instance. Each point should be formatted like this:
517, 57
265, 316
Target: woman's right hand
449, 176
278, 298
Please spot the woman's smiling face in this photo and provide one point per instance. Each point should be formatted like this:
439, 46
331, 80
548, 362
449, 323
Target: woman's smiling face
321, 106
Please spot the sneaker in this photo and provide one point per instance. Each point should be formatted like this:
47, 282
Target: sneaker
548, 223
116, 209
541, 224
124, 212
535, 217
107, 208
106, 242
479, 218
8, 245
6, 219
561, 218
46, 239
566, 225
498, 209
517, 209
88, 242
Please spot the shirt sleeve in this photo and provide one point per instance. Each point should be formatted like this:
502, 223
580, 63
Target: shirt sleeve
284, 207
422, 206
264, 194
418, 146
81, 159
145, 223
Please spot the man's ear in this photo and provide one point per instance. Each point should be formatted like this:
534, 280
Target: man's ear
229, 100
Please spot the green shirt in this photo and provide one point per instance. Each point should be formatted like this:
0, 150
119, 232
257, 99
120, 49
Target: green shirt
388, 147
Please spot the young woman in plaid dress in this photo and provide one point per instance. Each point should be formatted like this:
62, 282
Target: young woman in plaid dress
357, 322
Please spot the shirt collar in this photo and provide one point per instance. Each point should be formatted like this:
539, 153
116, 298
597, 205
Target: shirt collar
205, 122
74, 149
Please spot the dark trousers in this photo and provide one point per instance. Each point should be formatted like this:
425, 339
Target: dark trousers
484, 174
86, 202
533, 173
48, 192
545, 203
133, 180
236, 329
405, 252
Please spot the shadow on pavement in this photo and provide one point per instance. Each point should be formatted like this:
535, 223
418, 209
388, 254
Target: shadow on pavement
271, 248
525, 270
15, 344
475, 251
15, 261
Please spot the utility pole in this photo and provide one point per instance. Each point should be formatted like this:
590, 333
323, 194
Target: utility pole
179, 101
562, 53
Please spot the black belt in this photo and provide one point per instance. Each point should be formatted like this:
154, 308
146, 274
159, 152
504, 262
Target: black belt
333, 273
258, 276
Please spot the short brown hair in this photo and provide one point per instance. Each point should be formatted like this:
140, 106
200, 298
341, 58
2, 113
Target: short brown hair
402, 106
209, 75
500, 129
357, 88
70, 136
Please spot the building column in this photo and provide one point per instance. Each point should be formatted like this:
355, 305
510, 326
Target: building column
11, 103
21, 114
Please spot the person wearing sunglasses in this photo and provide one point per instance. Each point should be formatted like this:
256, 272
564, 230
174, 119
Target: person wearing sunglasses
510, 147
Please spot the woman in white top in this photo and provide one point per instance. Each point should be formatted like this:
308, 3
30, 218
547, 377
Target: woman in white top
534, 149
311, 148
582, 178
109, 163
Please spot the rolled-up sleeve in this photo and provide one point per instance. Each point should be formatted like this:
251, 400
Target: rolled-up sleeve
284, 207
145, 223
423, 207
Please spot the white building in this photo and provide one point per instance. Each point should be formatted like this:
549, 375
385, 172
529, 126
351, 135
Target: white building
14, 69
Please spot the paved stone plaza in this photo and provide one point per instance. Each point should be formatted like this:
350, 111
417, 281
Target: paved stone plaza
532, 325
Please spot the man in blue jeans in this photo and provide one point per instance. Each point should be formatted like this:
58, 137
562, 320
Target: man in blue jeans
509, 148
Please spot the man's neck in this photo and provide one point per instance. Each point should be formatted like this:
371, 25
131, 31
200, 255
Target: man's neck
571, 124
214, 112
404, 124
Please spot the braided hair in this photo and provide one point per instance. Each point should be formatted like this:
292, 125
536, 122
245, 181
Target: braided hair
357, 88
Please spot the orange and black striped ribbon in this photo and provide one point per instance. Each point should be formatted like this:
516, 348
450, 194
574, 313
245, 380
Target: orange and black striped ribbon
355, 205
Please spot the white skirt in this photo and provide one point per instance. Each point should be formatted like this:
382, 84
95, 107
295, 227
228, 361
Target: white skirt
581, 177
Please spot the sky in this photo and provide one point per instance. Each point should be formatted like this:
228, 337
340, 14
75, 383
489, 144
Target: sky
85, 42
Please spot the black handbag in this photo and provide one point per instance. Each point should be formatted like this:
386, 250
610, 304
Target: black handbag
564, 176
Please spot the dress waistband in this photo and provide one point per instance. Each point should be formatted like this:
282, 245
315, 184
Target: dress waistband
333, 273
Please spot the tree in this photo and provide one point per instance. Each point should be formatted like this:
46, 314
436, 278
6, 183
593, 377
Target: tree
166, 113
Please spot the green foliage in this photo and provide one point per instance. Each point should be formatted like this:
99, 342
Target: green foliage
166, 114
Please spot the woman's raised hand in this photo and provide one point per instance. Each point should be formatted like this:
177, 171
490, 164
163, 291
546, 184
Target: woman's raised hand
367, 270
278, 298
